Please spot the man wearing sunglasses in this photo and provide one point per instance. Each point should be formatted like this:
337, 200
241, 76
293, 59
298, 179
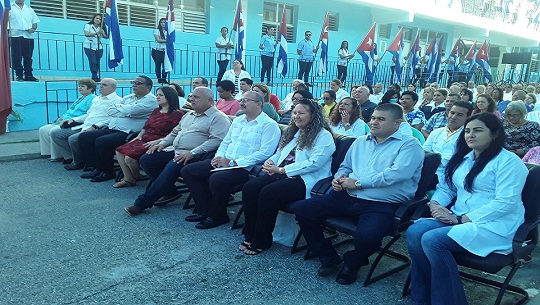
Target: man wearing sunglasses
306, 55
127, 115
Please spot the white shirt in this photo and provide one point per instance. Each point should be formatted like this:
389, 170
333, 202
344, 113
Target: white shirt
97, 113
507, 96
312, 164
91, 42
287, 103
494, 206
376, 98
130, 113
341, 94
439, 142
358, 128
343, 61
223, 53
21, 20
250, 143
160, 46
230, 75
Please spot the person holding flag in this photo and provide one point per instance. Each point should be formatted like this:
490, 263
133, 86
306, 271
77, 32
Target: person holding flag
158, 51
306, 51
94, 31
343, 60
323, 64
223, 44
282, 54
116, 55
23, 23
268, 47
170, 37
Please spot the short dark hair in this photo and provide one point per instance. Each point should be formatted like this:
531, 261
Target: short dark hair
465, 105
147, 80
204, 81
454, 95
226, 85
224, 27
394, 109
301, 86
413, 95
332, 93
248, 81
369, 87
304, 94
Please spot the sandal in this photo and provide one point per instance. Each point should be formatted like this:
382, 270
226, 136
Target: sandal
252, 251
243, 246
124, 183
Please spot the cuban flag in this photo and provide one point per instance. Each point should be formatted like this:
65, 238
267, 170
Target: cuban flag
366, 49
238, 27
470, 58
323, 64
282, 37
5, 81
415, 54
482, 59
455, 53
434, 61
396, 49
116, 55
170, 29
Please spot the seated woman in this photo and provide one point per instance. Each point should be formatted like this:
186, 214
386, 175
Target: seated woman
391, 96
159, 124
485, 103
226, 103
303, 157
486, 180
181, 94
267, 107
297, 97
236, 74
329, 102
466, 95
335, 86
521, 134
345, 118
87, 87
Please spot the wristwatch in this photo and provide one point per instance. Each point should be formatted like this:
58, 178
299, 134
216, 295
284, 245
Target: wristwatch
347, 125
459, 220
231, 163
193, 153
358, 185
95, 126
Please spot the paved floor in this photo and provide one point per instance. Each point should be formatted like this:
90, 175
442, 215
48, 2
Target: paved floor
65, 240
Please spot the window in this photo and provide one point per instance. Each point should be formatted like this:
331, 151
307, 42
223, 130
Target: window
333, 21
272, 14
384, 30
190, 14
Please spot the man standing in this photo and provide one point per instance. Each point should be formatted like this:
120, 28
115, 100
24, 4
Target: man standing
200, 131
361, 95
223, 44
268, 47
306, 51
23, 22
251, 140
128, 115
95, 118
367, 188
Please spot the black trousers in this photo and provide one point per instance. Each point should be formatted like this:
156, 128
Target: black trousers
211, 190
222, 64
159, 58
21, 55
375, 221
262, 198
98, 147
94, 56
341, 73
267, 64
305, 68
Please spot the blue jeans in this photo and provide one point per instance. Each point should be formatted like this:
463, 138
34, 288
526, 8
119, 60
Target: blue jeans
434, 272
94, 56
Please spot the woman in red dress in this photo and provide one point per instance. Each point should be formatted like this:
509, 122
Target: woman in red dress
159, 124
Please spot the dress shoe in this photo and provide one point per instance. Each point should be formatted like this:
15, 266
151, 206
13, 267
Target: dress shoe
330, 268
31, 79
196, 217
166, 199
20, 79
91, 174
133, 210
67, 161
72, 167
56, 160
88, 168
347, 275
103, 177
210, 223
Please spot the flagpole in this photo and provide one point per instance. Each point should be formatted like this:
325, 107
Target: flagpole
234, 21
322, 31
281, 36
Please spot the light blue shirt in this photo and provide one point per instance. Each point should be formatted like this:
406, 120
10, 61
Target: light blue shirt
388, 171
494, 205
80, 107
130, 113
269, 43
306, 48
312, 164
358, 128
250, 143
439, 142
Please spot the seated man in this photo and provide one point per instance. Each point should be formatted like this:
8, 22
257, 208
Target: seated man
379, 171
129, 114
245, 86
440, 119
200, 131
443, 140
67, 139
251, 140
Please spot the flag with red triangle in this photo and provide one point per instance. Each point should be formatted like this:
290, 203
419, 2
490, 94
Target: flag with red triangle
366, 49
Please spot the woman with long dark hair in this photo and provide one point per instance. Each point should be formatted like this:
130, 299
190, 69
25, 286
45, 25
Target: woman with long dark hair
158, 51
343, 60
345, 118
160, 123
94, 31
486, 182
303, 157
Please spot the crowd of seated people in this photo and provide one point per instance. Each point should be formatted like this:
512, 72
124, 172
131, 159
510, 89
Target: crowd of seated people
220, 147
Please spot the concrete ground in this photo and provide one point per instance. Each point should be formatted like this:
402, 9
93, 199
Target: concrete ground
66, 240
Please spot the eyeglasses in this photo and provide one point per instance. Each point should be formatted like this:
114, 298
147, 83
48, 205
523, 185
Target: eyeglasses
513, 115
298, 99
137, 83
245, 100
327, 98
308, 34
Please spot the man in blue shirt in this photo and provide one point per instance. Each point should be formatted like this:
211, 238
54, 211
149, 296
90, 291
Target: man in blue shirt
380, 170
306, 55
268, 47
